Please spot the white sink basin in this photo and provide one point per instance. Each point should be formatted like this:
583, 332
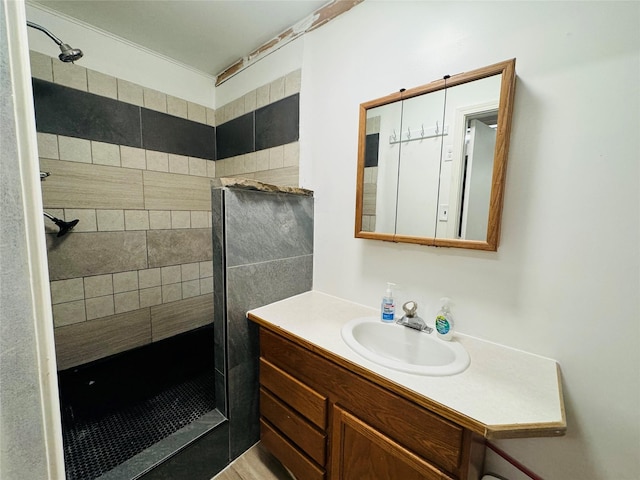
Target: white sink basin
404, 349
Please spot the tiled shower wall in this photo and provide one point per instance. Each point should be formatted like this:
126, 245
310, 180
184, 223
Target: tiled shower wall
137, 268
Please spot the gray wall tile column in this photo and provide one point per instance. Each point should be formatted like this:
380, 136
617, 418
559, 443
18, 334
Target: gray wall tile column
262, 253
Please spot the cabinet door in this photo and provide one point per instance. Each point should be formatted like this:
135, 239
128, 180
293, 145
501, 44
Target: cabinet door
359, 451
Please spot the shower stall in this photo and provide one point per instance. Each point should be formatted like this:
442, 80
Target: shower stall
151, 274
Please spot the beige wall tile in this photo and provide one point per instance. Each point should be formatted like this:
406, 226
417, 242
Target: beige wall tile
276, 90
236, 108
88, 341
136, 220
77, 185
190, 271
211, 168
126, 301
250, 162
178, 164
177, 107
130, 93
199, 219
191, 288
96, 253
41, 66
150, 297
105, 154
110, 220
157, 161
291, 154
211, 117
197, 166
63, 291
292, 82
206, 269
87, 219
276, 157
149, 278
164, 191
221, 168
180, 219
69, 313
48, 145
99, 307
125, 282
206, 285
74, 149
286, 177
195, 246
155, 100
70, 75
250, 101
98, 286
171, 292
172, 274
159, 219
235, 165
262, 96
131, 157
196, 113
170, 319
101, 84
262, 160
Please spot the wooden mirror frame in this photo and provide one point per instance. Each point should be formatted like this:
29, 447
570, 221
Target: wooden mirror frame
503, 132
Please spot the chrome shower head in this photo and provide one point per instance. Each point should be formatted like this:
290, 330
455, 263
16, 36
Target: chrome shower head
68, 54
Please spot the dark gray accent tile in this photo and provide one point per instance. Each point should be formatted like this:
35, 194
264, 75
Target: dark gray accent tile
166, 133
278, 123
73, 113
371, 150
244, 408
252, 286
219, 284
167, 447
174, 247
235, 137
201, 460
265, 226
79, 254
221, 392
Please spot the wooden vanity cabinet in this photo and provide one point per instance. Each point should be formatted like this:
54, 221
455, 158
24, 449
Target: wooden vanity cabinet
324, 421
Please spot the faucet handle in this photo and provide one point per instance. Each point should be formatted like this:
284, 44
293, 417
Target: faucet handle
410, 308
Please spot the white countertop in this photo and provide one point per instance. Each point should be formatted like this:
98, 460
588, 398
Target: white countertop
504, 389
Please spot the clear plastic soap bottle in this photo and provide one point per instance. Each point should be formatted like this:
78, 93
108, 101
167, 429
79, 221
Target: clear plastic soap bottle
444, 320
388, 307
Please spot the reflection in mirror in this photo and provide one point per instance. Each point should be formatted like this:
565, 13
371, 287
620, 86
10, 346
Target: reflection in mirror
431, 161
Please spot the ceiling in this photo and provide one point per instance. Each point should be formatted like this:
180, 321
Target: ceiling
207, 35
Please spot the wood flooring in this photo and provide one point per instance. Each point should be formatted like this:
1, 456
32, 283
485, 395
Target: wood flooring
254, 464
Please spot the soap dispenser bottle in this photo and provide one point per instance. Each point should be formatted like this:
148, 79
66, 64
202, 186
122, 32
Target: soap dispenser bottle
444, 320
388, 307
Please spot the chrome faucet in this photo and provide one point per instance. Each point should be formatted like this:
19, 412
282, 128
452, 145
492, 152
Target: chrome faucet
411, 319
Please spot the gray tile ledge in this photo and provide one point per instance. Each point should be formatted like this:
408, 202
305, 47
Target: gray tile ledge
247, 184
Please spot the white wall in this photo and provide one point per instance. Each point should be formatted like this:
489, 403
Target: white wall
113, 56
565, 280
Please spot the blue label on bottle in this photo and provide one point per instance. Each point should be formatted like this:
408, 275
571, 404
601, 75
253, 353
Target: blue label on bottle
442, 325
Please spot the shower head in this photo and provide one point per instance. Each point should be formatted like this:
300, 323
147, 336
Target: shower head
68, 54
64, 226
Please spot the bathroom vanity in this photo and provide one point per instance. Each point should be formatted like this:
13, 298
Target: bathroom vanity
328, 413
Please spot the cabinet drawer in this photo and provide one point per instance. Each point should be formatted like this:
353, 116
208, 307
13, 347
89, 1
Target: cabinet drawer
288, 454
300, 397
294, 426
423, 432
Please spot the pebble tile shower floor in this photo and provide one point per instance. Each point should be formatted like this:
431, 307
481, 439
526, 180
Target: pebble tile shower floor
115, 409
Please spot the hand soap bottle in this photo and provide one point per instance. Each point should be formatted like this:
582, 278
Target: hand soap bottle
444, 320
388, 307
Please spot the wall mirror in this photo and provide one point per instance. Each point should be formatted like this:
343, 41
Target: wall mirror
432, 161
